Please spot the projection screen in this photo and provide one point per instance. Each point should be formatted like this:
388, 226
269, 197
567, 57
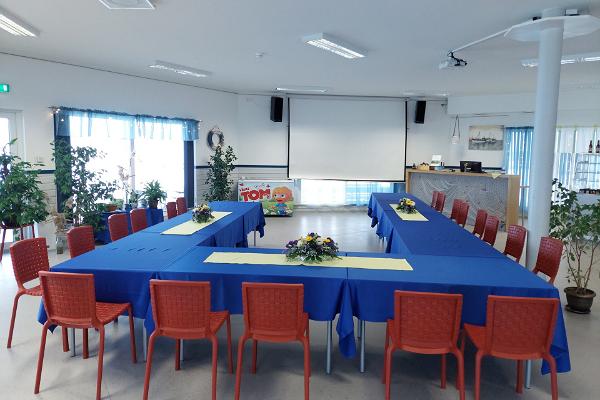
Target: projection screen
347, 138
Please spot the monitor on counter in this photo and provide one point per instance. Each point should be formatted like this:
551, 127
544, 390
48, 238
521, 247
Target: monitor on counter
470, 166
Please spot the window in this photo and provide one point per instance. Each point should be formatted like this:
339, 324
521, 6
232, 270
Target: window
339, 193
517, 158
7, 126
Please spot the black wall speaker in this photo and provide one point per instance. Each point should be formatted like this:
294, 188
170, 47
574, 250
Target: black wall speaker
420, 112
276, 109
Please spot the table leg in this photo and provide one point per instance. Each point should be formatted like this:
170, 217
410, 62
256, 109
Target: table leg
72, 334
255, 238
181, 351
144, 341
358, 330
528, 374
328, 355
362, 345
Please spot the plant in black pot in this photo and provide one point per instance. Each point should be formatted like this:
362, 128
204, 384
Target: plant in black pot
153, 193
578, 227
22, 202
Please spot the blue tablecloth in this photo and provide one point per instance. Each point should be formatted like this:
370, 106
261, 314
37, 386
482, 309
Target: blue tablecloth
372, 291
439, 236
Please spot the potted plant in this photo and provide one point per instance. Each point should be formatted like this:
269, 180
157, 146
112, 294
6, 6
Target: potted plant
578, 227
218, 175
153, 193
134, 198
22, 202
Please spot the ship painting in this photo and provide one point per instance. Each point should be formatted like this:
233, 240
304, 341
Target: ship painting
486, 137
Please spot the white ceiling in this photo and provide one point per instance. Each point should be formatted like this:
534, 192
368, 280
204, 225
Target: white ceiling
405, 41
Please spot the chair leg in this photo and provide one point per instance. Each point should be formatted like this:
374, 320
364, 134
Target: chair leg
306, 368
385, 350
38, 375
86, 347
149, 365
553, 375
12, 319
460, 383
443, 378
177, 354
238, 372
215, 349
388, 372
100, 365
254, 355
519, 388
229, 352
132, 336
65, 339
478, 358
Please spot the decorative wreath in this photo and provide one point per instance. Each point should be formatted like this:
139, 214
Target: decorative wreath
215, 138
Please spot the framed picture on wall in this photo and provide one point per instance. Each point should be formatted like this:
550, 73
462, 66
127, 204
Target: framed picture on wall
486, 137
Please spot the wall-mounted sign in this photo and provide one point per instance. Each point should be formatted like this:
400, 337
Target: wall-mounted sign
486, 137
4, 88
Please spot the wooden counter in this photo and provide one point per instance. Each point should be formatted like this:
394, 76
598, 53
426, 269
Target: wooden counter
498, 194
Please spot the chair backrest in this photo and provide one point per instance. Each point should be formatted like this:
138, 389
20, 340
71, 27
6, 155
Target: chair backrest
117, 226
520, 325
181, 309
515, 241
181, 205
463, 214
138, 219
273, 310
491, 229
427, 320
455, 207
81, 240
439, 202
171, 209
69, 299
29, 257
548, 259
480, 219
434, 198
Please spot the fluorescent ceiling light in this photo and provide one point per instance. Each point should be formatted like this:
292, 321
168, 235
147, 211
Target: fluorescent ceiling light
298, 89
334, 45
15, 26
128, 4
180, 69
566, 59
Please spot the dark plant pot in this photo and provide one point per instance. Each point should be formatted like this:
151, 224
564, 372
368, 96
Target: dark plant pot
580, 303
152, 203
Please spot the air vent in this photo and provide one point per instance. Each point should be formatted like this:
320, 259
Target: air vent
128, 4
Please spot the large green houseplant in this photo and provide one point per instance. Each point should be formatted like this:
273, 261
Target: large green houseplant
85, 189
153, 194
22, 202
578, 227
218, 176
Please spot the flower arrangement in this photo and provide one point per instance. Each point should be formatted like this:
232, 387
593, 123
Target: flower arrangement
311, 248
407, 206
202, 214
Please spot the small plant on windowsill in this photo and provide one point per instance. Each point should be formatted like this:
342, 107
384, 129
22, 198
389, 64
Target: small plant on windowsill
311, 248
153, 193
202, 214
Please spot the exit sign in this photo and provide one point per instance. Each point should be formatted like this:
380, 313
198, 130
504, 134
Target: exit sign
4, 88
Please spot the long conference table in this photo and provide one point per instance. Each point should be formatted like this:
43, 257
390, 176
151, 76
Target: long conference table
122, 271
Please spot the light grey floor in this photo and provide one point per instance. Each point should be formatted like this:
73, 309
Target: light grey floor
279, 374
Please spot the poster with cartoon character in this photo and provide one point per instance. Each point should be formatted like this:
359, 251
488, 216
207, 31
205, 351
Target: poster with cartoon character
277, 197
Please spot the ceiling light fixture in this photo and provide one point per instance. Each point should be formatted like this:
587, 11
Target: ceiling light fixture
15, 26
301, 89
334, 45
566, 59
180, 69
128, 4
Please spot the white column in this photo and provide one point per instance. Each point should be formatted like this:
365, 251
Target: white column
544, 135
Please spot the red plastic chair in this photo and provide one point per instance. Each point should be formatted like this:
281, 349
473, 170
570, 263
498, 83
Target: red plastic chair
548, 259
181, 310
491, 229
515, 241
516, 328
434, 198
138, 219
171, 209
29, 257
181, 205
455, 207
480, 220
273, 312
117, 226
425, 323
463, 214
70, 302
81, 240
439, 202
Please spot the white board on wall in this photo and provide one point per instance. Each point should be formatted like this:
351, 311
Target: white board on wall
347, 138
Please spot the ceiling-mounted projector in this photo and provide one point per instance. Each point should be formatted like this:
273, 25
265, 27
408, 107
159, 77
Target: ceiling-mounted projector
452, 62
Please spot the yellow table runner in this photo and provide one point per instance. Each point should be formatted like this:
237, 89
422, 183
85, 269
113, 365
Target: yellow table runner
191, 227
393, 264
408, 217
